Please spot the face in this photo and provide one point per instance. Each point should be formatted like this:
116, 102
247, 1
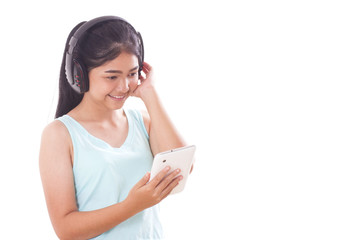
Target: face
111, 83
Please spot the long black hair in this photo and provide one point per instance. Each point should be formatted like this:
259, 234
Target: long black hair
100, 44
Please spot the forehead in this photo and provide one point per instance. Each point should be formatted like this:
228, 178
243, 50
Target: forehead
125, 61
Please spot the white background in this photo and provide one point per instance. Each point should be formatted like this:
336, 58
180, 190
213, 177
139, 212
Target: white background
267, 90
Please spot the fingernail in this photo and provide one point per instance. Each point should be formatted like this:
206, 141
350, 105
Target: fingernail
178, 170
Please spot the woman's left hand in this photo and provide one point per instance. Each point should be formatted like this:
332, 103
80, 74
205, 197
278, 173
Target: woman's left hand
146, 83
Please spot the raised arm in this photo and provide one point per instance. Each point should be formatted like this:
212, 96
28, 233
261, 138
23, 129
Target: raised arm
163, 134
58, 183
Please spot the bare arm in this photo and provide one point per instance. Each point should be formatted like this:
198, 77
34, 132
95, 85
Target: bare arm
58, 183
163, 134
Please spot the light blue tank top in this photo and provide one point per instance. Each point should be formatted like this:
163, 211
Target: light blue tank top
104, 175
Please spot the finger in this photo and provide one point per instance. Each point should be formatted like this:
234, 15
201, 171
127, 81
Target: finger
167, 192
157, 179
166, 181
171, 186
192, 167
142, 181
147, 67
142, 79
145, 70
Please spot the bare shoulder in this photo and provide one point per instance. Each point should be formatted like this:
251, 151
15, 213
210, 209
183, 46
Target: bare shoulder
55, 131
55, 127
147, 120
55, 140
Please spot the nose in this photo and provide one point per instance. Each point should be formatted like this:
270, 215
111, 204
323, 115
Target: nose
123, 85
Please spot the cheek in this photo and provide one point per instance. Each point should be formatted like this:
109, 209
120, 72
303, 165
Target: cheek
133, 83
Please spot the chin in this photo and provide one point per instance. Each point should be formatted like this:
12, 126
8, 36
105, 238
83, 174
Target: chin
116, 106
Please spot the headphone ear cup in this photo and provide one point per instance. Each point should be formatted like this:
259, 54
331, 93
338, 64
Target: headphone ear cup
81, 81
141, 60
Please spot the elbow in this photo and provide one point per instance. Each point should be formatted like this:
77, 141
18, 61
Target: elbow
179, 144
64, 230
61, 234
64, 234
67, 235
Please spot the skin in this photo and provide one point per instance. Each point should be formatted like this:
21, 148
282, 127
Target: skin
101, 114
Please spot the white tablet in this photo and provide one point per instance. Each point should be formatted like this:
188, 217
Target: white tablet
181, 158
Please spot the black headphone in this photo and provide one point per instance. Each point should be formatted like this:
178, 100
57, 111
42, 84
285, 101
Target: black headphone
75, 70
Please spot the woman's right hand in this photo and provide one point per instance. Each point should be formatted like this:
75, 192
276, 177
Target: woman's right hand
146, 194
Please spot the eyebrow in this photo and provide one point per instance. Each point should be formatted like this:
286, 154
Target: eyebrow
118, 71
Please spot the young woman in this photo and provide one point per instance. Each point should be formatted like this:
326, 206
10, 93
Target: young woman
96, 156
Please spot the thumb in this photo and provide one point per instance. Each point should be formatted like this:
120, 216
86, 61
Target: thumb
143, 180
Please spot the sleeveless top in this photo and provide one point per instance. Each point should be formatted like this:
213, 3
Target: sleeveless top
104, 175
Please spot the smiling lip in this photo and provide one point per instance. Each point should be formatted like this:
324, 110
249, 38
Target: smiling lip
117, 98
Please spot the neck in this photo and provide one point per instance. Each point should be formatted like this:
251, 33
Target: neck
88, 110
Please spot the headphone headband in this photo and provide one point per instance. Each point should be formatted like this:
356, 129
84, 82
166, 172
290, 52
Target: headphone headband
75, 71
86, 26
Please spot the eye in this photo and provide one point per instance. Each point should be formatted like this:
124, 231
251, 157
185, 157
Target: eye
112, 77
134, 74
